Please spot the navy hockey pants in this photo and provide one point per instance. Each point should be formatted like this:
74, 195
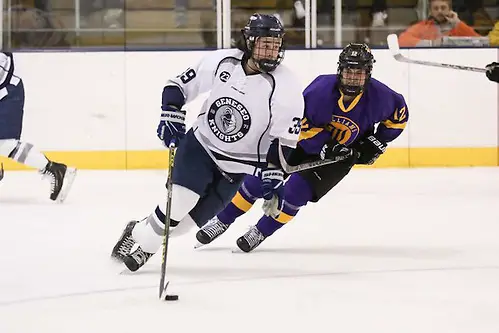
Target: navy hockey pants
11, 112
195, 170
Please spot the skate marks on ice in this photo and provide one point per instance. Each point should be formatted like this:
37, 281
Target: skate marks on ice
219, 275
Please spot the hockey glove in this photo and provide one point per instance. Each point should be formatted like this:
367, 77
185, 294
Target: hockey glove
335, 151
273, 191
492, 71
369, 150
171, 128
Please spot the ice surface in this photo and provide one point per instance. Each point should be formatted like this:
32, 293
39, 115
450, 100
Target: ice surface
388, 250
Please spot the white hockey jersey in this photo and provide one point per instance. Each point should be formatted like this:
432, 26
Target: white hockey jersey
242, 114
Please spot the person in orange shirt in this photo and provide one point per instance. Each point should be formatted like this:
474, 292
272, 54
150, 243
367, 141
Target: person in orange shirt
442, 22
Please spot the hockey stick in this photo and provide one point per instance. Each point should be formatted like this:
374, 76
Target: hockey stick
394, 47
166, 234
307, 165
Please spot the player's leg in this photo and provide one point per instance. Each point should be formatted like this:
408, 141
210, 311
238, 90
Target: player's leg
191, 175
188, 185
218, 196
11, 121
297, 192
307, 186
247, 194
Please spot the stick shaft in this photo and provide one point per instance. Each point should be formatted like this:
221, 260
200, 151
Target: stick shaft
166, 234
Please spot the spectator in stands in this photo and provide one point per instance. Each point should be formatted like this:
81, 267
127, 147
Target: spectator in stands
34, 28
113, 12
295, 35
494, 35
473, 13
442, 22
378, 13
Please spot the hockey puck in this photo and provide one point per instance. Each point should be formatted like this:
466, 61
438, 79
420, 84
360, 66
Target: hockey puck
171, 298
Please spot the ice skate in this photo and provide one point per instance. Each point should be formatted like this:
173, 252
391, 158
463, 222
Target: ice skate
250, 240
210, 231
62, 179
124, 245
137, 259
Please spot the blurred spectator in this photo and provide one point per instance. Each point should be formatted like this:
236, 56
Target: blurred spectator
474, 14
375, 16
113, 15
494, 35
43, 5
378, 13
442, 22
34, 28
295, 33
181, 12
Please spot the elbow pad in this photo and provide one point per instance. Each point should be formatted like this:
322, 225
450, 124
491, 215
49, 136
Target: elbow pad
173, 96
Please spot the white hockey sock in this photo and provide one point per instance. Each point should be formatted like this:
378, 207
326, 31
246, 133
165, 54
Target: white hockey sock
149, 234
23, 153
186, 225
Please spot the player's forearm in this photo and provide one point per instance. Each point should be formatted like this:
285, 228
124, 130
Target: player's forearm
406, 39
386, 135
313, 145
462, 29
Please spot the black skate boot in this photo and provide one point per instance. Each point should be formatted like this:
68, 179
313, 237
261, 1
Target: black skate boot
210, 231
62, 179
137, 259
250, 240
124, 245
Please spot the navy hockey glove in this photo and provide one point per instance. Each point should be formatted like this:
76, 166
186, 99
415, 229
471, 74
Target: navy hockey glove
492, 71
369, 150
335, 151
171, 128
273, 191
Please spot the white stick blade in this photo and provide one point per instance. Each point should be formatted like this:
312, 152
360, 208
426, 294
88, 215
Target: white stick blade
393, 43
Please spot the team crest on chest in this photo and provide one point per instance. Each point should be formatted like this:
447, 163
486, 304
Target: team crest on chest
343, 129
228, 119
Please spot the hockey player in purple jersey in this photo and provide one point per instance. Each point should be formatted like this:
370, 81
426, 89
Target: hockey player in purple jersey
341, 112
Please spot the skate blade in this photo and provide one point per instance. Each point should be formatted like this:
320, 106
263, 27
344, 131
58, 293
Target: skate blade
198, 245
69, 178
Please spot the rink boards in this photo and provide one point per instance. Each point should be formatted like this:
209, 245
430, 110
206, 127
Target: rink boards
99, 110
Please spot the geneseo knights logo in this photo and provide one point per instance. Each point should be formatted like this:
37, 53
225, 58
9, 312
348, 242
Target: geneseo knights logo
228, 119
344, 130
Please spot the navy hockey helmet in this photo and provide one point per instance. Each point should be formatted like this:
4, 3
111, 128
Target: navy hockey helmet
354, 68
261, 26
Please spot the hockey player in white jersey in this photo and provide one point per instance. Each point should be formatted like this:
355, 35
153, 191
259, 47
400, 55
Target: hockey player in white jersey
254, 105
11, 122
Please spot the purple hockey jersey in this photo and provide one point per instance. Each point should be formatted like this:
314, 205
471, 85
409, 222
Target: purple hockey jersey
327, 116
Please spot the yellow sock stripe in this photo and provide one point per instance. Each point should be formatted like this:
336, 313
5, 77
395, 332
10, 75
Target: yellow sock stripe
284, 218
240, 202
